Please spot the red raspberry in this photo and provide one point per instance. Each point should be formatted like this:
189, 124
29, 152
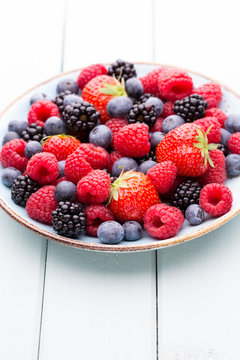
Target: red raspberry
12, 154
90, 72
96, 214
43, 167
76, 166
216, 174
115, 125
216, 199
162, 221
179, 179
214, 136
41, 204
41, 110
97, 156
163, 176
174, 84
114, 156
133, 140
94, 187
211, 92
167, 109
217, 113
158, 125
234, 143
57, 181
61, 146
150, 81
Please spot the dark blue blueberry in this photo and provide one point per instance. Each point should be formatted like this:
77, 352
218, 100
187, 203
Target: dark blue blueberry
157, 104
32, 148
156, 138
38, 96
101, 135
118, 107
9, 175
55, 126
61, 165
233, 165
194, 214
110, 232
132, 230
146, 165
17, 125
171, 122
124, 164
67, 84
65, 191
232, 123
225, 136
70, 99
11, 135
134, 88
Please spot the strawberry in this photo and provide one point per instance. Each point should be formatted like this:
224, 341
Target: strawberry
131, 195
187, 146
100, 90
61, 145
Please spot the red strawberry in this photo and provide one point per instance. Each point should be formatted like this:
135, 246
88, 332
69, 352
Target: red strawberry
61, 146
90, 72
131, 195
216, 174
214, 135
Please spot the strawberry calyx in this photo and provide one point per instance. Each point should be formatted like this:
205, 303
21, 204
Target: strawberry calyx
120, 182
115, 90
202, 144
61, 136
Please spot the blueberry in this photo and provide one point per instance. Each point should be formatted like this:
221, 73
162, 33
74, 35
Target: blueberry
55, 126
156, 138
65, 191
194, 214
17, 125
9, 175
134, 88
233, 165
110, 232
61, 165
157, 104
32, 148
11, 135
132, 230
38, 96
124, 164
101, 135
70, 99
171, 122
146, 165
118, 107
67, 84
232, 123
225, 136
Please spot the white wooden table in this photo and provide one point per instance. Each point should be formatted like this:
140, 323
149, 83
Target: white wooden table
180, 303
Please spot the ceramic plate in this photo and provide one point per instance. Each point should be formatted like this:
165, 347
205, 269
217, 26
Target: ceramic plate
19, 110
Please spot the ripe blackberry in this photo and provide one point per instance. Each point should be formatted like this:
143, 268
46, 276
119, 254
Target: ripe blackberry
60, 98
33, 132
224, 149
80, 116
191, 107
69, 219
150, 156
143, 98
122, 69
142, 113
187, 193
23, 187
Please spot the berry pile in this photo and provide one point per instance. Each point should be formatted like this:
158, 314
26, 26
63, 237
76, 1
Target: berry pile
113, 153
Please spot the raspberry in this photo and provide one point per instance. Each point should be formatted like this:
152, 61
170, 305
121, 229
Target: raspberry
94, 187
162, 221
57, 181
41, 204
211, 92
76, 166
158, 125
61, 146
174, 84
133, 140
217, 113
90, 72
150, 81
216, 199
233, 143
214, 136
12, 154
114, 156
41, 110
163, 176
97, 156
168, 109
96, 215
115, 125
43, 167
216, 174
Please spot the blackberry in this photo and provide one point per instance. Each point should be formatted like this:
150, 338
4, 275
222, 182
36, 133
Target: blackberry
80, 116
122, 69
143, 98
69, 219
224, 149
33, 132
23, 187
191, 107
187, 193
142, 113
59, 99
150, 156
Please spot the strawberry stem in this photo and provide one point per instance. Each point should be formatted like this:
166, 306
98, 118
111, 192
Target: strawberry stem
61, 136
202, 144
116, 90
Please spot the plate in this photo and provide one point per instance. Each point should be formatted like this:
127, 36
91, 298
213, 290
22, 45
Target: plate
19, 108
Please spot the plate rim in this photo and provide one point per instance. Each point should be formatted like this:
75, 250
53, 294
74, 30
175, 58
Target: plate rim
117, 248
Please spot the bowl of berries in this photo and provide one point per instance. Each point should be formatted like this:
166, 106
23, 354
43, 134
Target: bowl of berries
122, 157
